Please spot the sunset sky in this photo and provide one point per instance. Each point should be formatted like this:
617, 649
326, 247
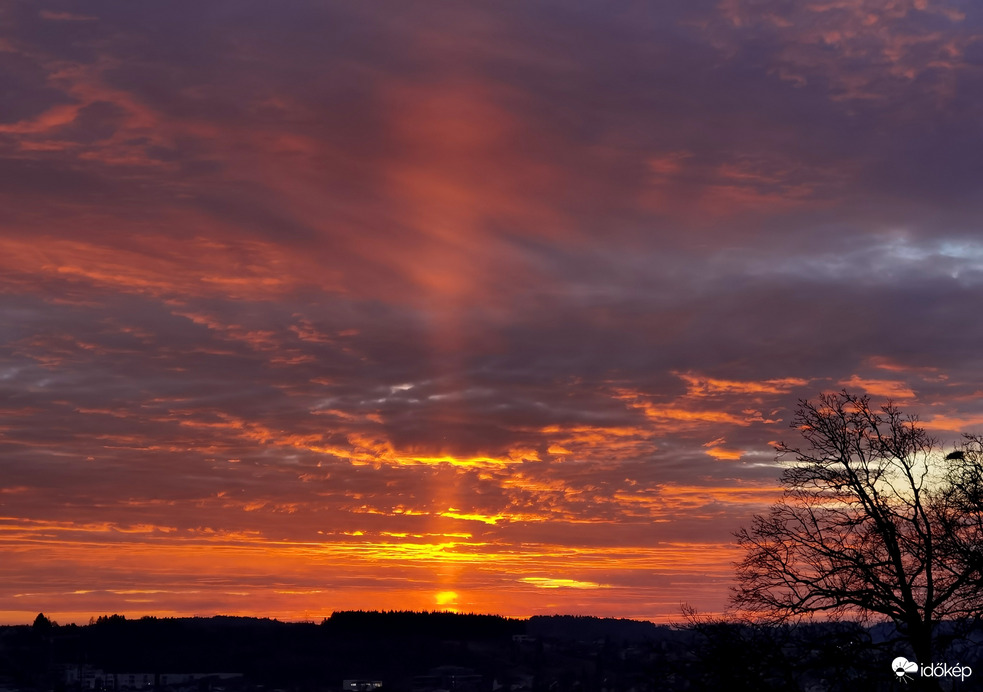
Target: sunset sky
486, 306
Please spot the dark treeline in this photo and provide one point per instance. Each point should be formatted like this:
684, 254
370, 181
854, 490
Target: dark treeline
413, 652
444, 624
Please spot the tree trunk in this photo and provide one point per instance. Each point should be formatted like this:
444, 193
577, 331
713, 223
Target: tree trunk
920, 637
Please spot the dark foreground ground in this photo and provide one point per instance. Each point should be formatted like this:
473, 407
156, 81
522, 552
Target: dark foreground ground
428, 652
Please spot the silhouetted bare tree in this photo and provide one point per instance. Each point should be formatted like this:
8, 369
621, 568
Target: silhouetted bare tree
874, 522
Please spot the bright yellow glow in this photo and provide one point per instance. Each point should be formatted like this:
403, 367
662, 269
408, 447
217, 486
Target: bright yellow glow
493, 519
550, 583
443, 598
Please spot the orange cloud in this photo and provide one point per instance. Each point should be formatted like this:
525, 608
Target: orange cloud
680, 183
926, 372
678, 414
890, 389
690, 412
591, 441
954, 422
707, 386
670, 501
157, 266
886, 48
725, 453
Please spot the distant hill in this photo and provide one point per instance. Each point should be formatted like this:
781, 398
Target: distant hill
588, 628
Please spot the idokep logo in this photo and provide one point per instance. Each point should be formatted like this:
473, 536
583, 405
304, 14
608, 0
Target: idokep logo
904, 669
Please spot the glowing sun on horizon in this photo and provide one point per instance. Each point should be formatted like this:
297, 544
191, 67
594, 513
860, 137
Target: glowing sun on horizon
445, 598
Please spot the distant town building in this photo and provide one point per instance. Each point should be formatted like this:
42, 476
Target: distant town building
450, 679
85, 678
88, 678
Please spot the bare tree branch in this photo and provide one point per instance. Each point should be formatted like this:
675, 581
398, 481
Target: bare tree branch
872, 523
